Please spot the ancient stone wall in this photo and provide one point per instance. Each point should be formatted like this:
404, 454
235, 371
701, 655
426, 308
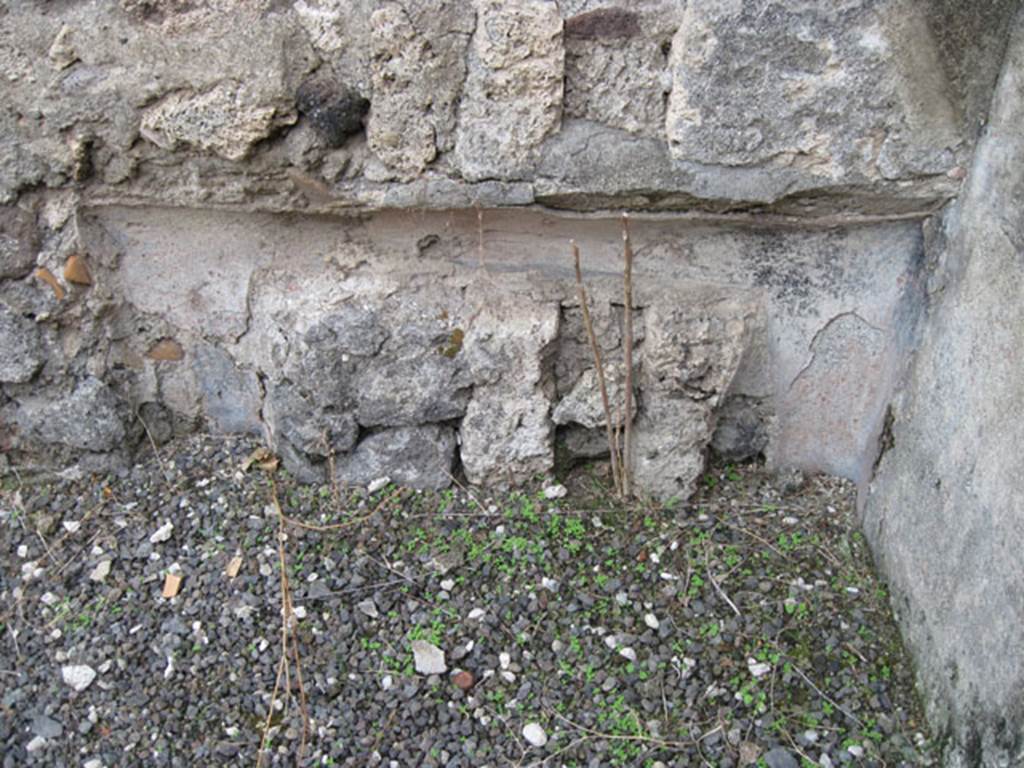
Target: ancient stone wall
343, 225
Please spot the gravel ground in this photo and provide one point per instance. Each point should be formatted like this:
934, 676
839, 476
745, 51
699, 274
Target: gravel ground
743, 628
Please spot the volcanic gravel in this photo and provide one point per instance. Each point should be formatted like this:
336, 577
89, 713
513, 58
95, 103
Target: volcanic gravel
744, 627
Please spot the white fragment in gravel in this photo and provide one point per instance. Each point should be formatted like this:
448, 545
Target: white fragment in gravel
56, 634
549, 584
368, 608
790, 520
96, 551
386, 682
163, 533
31, 570
508, 677
105, 666
37, 743
231, 731
476, 614
758, 668
169, 669
665, 575
134, 629
93, 763
853, 590
470, 646
505, 660
825, 761
300, 612
429, 659
448, 585
266, 569
655, 558
22, 551
627, 653
101, 571
651, 620
611, 641
78, 676
535, 735
376, 485
72, 526
856, 750
810, 736
556, 491
621, 598
48, 598
674, 546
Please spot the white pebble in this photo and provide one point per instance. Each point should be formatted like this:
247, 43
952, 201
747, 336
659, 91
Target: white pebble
300, 612
856, 750
386, 682
758, 668
611, 641
476, 614
535, 735
48, 598
78, 676
549, 584
651, 620
72, 526
627, 653
556, 491
22, 551
377, 484
368, 608
37, 743
505, 660
448, 585
163, 533
508, 677
101, 571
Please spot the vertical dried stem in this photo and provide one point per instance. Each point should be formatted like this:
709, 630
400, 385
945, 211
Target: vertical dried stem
627, 285
613, 446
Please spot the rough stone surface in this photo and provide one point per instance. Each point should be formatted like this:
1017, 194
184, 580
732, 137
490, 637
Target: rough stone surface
691, 353
616, 69
507, 435
21, 348
514, 88
226, 120
819, 90
943, 509
419, 64
86, 418
231, 397
417, 457
18, 242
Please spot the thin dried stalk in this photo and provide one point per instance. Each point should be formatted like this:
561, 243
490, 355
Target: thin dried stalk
613, 448
627, 286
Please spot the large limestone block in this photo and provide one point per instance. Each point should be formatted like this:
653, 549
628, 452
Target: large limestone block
843, 91
514, 88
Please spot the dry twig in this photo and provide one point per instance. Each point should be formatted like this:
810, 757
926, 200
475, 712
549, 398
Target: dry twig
627, 287
613, 448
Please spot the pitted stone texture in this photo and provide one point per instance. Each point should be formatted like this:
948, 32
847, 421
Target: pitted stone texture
18, 242
692, 350
417, 457
507, 434
584, 404
305, 434
228, 120
85, 419
842, 92
419, 64
514, 89
21, 347
231, 397
616, 68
